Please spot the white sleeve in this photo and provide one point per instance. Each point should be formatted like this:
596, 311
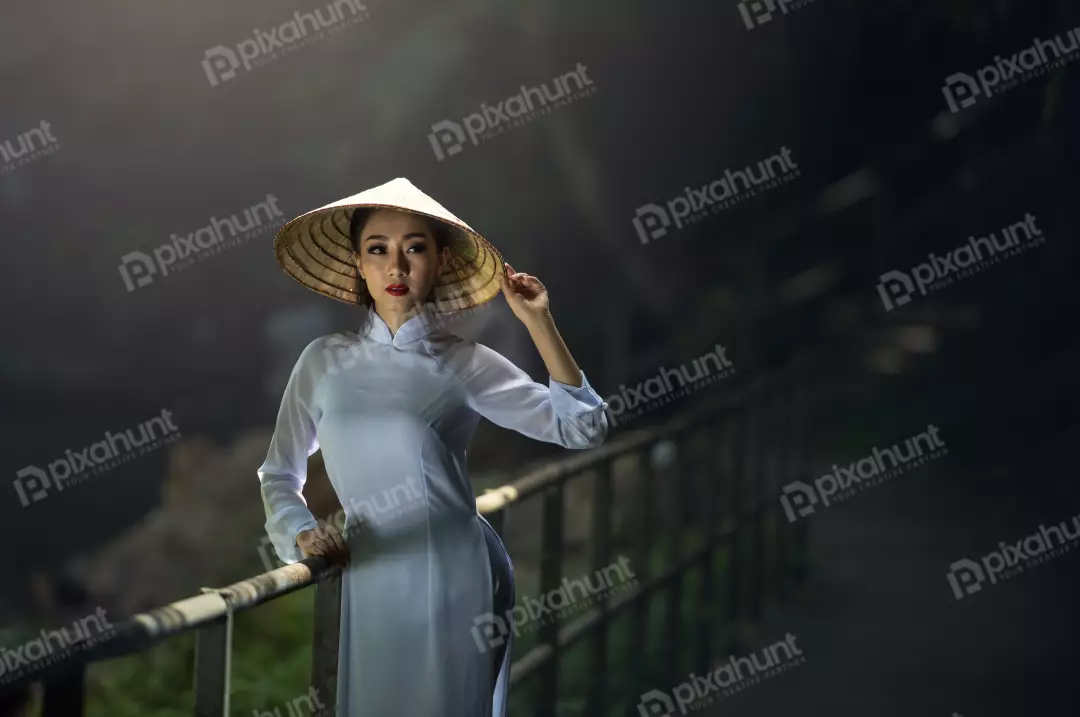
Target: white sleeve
571, 416
284, 472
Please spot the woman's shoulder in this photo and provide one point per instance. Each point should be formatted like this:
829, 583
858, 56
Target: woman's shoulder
453, 346
464, 357
329, 352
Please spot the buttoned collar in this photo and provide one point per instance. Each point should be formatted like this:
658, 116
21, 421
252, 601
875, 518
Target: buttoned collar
414, 329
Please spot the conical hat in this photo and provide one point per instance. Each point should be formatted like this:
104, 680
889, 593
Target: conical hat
314, 248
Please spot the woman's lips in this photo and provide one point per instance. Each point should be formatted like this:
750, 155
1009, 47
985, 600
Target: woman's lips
397, 290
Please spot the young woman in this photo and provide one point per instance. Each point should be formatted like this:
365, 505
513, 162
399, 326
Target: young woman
393, 407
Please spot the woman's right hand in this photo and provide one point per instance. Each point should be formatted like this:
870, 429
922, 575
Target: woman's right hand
324, 540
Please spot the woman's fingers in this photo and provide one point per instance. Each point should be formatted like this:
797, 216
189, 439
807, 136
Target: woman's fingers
340, 548
333, 543
517, 281
337, 549
304, 541
324, 541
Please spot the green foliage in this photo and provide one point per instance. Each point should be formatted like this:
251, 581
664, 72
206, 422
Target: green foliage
271, 666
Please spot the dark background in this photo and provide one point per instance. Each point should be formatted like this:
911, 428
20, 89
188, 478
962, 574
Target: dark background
683, 91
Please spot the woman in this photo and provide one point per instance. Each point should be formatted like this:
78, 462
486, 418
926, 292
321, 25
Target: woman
393, 407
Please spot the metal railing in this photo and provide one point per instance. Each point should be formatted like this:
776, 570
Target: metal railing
721, 492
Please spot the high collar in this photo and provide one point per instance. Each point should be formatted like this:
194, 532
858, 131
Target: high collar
417, 327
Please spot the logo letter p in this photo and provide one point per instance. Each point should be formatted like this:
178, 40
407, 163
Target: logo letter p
966, 577
489, 631
961, 91
220, 65
137, 270
895, 289
655, 703
798, 500
32, 484
446, 134
651, 222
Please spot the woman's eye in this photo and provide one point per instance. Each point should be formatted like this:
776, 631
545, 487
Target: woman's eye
376, 250
418, 248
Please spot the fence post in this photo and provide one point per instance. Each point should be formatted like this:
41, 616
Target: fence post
213, 645
756, 449
65, 695
675, 483
550, 577
802, 402
736, 508
324, 656
785, 472
601, 535
708, 524
646, 514
498, 519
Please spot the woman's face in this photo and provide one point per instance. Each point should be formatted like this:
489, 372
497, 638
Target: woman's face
398, 259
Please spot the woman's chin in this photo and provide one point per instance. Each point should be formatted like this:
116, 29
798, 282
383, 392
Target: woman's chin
399, 304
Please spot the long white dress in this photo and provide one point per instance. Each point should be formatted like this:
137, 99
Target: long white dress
394, 415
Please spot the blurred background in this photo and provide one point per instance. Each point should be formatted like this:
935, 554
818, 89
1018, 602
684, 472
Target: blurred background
123, 128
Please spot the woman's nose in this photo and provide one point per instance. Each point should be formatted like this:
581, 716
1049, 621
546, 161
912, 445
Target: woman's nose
398, 264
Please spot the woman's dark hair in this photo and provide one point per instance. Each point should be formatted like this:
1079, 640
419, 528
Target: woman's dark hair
441, 233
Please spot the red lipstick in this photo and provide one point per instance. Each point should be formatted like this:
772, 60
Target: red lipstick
397, 290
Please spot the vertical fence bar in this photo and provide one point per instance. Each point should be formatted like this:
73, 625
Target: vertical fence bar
784, 474
550, 577
755, 454
736, 507
601, 558
498, 519
710, 436
770, 479
804, 434
324, 657
676, 483
723, 458
646, 517
65, 695
212, 646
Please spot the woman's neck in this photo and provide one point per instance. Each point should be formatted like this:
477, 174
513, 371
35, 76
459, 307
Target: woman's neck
396, 319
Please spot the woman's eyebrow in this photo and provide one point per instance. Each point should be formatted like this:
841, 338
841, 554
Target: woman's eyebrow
410, 235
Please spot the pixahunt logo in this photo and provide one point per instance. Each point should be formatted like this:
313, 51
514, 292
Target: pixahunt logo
652, 221
490, 631
222, 63
364, 515
961, 90
800, 499
54, 645
28, 146
968, 576
896, 287
448, 137
34, 484
308, 704
181, 252
735, 675
759, 12
659, 390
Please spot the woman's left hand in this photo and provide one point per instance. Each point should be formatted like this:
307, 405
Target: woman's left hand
525, 293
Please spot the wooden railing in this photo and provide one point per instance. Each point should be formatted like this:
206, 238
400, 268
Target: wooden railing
717, 490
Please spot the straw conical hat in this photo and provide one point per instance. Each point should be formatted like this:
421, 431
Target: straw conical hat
314, 248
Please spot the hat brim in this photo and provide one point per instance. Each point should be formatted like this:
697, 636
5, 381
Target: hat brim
315, 249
